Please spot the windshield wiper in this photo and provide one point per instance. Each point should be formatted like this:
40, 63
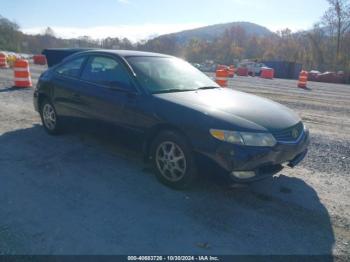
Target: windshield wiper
207, 87
173, 91
184, 90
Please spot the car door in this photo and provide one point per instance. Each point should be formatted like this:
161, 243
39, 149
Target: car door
66, 87
107, 91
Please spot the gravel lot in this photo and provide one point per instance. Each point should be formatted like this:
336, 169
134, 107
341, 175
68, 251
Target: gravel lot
88, 193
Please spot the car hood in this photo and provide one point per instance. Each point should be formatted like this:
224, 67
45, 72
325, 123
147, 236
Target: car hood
238, 108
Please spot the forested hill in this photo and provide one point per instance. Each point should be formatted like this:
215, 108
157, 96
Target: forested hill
325, 47
212, 32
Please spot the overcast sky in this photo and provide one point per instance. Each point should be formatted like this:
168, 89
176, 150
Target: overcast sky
139, 19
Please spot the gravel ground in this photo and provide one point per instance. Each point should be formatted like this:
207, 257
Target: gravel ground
88, 193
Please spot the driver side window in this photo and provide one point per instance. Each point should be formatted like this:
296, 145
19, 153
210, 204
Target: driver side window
106, 71
71, 68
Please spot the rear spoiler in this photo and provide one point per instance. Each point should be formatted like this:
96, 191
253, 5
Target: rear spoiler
55, 56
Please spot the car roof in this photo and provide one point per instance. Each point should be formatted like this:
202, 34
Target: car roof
125, 53
55, 56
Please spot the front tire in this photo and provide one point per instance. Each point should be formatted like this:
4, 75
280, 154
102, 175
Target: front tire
49, 118
173, 160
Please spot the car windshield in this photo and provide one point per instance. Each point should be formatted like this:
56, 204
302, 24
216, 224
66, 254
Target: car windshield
169, 74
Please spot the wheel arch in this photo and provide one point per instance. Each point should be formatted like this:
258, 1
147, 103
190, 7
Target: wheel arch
42, 97
155, 131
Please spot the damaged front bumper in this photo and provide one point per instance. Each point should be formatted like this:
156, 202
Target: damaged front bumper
242, 161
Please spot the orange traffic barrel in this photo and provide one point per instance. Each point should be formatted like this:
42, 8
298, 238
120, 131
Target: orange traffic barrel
22, 76
231, 71
303, 77
39, 59
3, 60
267, 73
222, 77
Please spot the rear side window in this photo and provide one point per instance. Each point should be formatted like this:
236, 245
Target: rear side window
71, 68
106, 71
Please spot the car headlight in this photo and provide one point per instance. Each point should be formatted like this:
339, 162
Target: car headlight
244, 138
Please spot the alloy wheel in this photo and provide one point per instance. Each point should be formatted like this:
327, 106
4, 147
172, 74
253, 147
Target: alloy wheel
49, 116
171, 161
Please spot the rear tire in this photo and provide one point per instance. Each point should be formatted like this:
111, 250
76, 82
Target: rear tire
49, 118
173, 160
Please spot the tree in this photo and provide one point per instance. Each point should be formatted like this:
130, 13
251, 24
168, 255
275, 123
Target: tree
49, 32
10, 37
194, 51
337, 19
317, 40
253, 49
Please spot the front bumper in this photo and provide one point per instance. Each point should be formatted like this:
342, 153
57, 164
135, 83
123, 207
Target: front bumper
263, 161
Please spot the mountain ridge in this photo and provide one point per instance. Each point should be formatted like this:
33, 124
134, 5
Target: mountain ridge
212, 32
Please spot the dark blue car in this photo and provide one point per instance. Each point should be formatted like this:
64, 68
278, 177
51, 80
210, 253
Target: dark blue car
177, 111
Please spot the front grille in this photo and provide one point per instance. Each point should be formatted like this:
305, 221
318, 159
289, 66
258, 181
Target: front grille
290, 134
